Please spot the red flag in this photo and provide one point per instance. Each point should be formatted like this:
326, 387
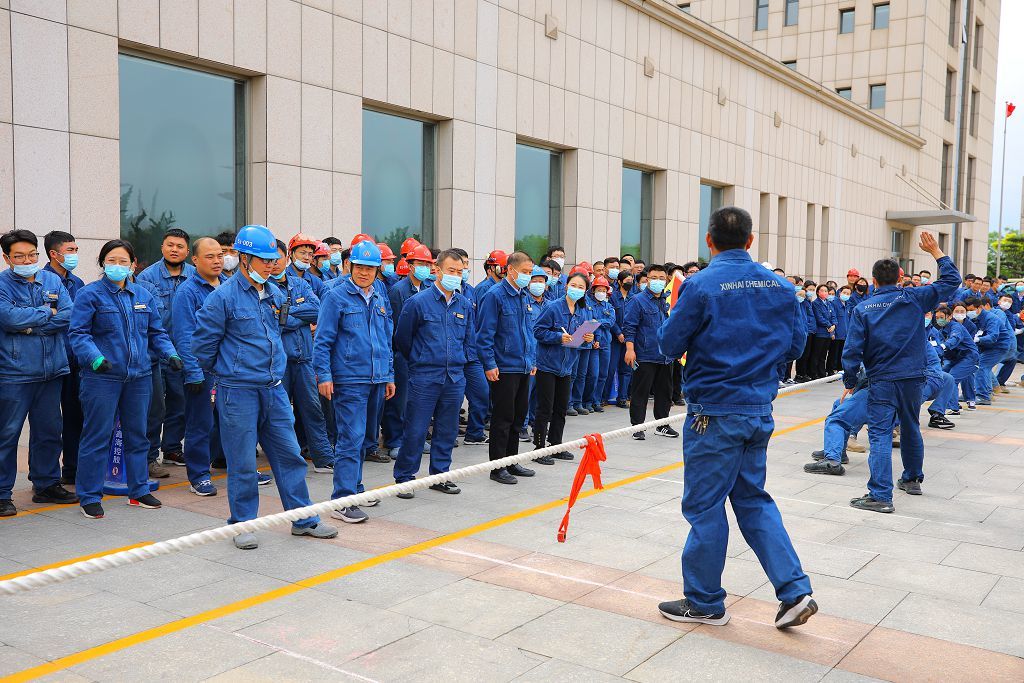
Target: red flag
673, 289
1010, 108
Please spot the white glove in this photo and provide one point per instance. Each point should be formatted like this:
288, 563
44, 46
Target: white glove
934, 343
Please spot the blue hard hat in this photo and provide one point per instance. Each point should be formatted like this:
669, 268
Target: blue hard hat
538, 272
256, 240
366, 253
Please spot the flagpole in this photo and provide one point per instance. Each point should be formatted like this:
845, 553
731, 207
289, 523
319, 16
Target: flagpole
1002, 183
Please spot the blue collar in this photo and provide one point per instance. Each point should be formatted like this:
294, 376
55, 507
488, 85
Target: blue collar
733, 255
114, 288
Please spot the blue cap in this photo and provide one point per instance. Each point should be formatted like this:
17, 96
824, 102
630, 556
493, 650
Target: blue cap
366, 253
256, 240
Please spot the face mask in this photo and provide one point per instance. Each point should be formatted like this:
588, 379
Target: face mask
1020, 289
451, 282
972, 314
27, 270
831, 297
959, 317
116, 273
465, 274
552, 280
941, 322
799, 295
613, 273
925, 280
537, 288
575, 293
927, 322
811, 296
657, 286
431, 278
643, 286
278, 277
560, 262
1005, 305
388, 269
627, 285
230, 261
601, 296
862, 289
522, 280
421, 273
335, 258
844, 297
301, 265
70, 261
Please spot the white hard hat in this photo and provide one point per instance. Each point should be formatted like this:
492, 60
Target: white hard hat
768, 265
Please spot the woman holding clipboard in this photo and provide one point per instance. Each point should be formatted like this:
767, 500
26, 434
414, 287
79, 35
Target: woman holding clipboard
558, 351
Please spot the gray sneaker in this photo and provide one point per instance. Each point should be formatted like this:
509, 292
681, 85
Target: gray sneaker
246, 541
912, 487
320, 530
866, 502
350, 515
825, 467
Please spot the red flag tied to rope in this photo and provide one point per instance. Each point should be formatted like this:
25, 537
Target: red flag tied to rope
593, 456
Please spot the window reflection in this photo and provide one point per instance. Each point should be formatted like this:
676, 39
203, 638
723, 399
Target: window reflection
538, 199
398, 179
182, 152
710, 201
637, 196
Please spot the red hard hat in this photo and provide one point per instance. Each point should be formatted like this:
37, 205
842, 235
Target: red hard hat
600, 281
322, 249
853, 271
401, 268
420, 252
579, 268
585, 267
301, 240
385, 251
902, 274
496, 258
361, 237
408, 245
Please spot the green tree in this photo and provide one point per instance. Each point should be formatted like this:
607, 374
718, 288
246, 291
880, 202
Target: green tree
141, 229
1012, 257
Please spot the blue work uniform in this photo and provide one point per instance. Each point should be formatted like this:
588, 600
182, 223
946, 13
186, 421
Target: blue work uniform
959, 356
556, 365
70, 404
606, 335
641, 320
352, 350
620, 373
393, 417
34, 319
238, 343
478, 394
481, 287
123, 326
886, 334
316, 284
436, 334
1016, 328
736, 322
173, 419
940, 389
587, 369
993, 340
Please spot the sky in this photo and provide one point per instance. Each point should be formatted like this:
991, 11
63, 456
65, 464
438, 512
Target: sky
1009, 87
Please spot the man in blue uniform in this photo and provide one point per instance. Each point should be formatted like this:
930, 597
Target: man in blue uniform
300, 250
886, 335
62, 252
435, 332
730, 388
993, 339
494, 266
478, 395
652, 369
238, 342
34, 313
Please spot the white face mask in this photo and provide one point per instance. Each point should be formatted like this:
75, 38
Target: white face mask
230, 261
959, 317
1005, 305
560, 261
601, 296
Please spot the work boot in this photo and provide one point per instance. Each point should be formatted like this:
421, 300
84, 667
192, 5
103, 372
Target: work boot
912, 487
866, 502
825, 467
820, 455
54, 493
853, 446
158, 471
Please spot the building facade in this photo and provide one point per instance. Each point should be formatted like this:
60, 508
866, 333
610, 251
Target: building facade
603, 125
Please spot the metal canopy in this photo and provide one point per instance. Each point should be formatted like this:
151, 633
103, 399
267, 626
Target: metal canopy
929, 217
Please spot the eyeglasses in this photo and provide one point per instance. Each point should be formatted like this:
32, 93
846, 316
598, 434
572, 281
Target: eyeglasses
25, 258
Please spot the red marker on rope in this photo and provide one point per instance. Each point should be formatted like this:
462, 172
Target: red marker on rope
590, 464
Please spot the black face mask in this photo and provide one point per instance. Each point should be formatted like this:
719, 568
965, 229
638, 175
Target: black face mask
862, 289
627, 285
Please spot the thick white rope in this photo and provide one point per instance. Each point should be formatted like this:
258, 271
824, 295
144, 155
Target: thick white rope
126, 557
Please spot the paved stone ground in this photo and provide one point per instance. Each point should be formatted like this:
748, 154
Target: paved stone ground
932, 592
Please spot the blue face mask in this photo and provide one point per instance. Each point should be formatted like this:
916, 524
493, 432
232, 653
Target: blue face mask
831, 297
27, 269
421, 273
537, 288
388, 268
451, 282
1020, 289
522, 280
925, 280
278, 277
643, 286
927, 322
465, 274
552, 280
300, 265
657, 286
574, 293
613, 273
335, 258
972, 314
116, 273
844, 297
70, 261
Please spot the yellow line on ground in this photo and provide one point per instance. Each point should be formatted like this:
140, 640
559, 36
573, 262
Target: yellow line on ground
147, 635
1005, 410
63, 563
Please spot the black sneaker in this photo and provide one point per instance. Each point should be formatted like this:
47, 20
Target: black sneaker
622, 404
639, 436
376, 456
825, 467
820, 455
866, 502
524, 435
54, 493
912, 487
666, 430
544, 460
7, 508
68, 479
571, 412
679, 402
796, 613
682, 610
93, 510
520, 471
503, 477
448, 487
939, 421
476, 440
148, 501
174, 459
597, 408
563, 455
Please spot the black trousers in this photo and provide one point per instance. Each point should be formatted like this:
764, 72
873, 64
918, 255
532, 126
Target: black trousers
552, 402
834, 363
648, 378
510, 397
819, 354
677, 381
803, 363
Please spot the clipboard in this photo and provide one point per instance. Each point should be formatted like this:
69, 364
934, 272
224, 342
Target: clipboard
586, 327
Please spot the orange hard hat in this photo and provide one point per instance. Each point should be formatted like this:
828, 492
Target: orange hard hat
408, 245
600, 281
585, 267
322, 249
385, 251
361, 237
578, 268
402, 268
420, 252
301, 240
496, 258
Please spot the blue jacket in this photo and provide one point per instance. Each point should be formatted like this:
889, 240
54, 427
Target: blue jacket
641, 321
481, 288
955, 342
122, 325
238, 336
933, 366
886, 332
353, 337
1016, 326
438, 336
992, 334
328, 285
32, 337
73, 284
556, 291
1017, 303
313, 281
810, 323
166, 285
190, 297
842, 311
604, 313
824, 318
503, 331
303, 309
400, 293
856, 297
736, 322
619, 304
552, 356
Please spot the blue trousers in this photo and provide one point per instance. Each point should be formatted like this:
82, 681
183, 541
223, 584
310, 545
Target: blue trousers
729, 461
586, 373
846, 419
940, 389
198, 433
478, 395
71, 412
351, 405
40, 403
1009, 363
174, 416
616, 351
892, 402
102, 401
394, 410
157, 409
983, 378
251, 415
300, 385
963, 372
374, 415
593, 393
429, 400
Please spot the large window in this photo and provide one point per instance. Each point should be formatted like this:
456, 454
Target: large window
947, 150
398, 179
979, 44
760, 15
538, 199
792, 12
710, 201
972, 169
846, 20
975, 112
881, 19
878, 96
637, 202
950, 100
182, 152
954, 23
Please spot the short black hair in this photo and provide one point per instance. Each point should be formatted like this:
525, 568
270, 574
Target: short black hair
226, 239
923, 271
797, 279
346, 254
176, 232
552, 249
11, 237
886, 271
640, 261
780, 271
552, 264
282, 247
112, 245
630, 256
448, 254
461, 252
730, 228
331, 241
611, 259
987, 279
690, 264
969, 276
54, 239
974, 301
653, 267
